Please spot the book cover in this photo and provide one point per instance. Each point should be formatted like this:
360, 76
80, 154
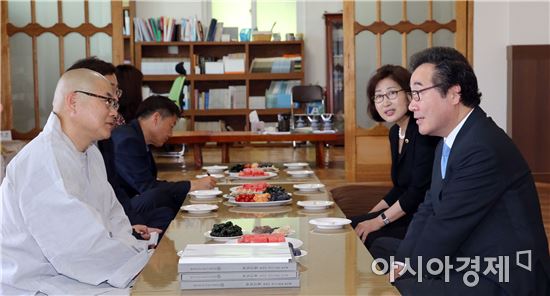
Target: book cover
221, 276
268, 283
236, 253
211, 30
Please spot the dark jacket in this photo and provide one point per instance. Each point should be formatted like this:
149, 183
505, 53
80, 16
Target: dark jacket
486, 206
135, 164
411, 171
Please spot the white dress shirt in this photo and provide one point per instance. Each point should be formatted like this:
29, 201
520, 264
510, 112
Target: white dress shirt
63, 230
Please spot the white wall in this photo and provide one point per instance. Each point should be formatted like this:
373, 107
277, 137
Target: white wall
497, 25
177, 9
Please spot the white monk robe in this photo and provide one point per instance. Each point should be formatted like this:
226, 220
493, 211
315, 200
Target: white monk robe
63, 230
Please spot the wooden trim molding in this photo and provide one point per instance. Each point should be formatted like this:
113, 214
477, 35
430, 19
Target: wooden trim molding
429, 26
5, 79
349, 90
59, 29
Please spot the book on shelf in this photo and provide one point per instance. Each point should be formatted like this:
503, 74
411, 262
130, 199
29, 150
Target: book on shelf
211, 30
213, 126
238, 96
218, 32
267, 283
256, 102
230, 276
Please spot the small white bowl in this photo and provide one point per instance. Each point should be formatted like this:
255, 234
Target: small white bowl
329, 223
216, 176
309, 187
295, 165
205, 194
315, 205
199, 208
215, 169
300, 173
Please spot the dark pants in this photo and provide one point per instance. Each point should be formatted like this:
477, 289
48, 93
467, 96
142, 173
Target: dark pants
407, 284
396, 229
157, 198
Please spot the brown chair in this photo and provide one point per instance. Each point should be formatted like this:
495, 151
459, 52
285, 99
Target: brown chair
360, 198
304, 94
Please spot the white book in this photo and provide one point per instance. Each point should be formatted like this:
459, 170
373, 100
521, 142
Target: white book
268, 283
221, 276
236, 253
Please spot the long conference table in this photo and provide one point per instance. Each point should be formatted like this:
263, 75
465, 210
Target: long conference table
336, 263
225, 139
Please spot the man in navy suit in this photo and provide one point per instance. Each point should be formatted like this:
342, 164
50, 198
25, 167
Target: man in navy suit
155, 118
482, 200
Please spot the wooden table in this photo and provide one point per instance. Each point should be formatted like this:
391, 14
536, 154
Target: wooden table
198, 138
337, 263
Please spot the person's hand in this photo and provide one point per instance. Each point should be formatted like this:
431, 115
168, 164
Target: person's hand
145, 231
203, 183
364, 228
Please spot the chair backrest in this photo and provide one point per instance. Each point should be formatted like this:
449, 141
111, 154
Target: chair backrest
307, 93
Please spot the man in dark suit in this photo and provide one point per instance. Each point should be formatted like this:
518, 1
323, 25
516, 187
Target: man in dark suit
155, 119
482, 200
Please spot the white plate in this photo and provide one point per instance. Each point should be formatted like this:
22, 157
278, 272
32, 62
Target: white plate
329, 223
215, 168
199, 208
299, 173
205, 194
296, 243
295, 165
313, 205
254, 204
267, 176
220, 238
309, 187
217, 176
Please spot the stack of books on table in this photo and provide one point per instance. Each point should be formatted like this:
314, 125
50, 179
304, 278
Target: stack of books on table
222, 266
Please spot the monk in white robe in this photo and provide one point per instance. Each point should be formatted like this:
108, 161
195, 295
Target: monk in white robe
63, 230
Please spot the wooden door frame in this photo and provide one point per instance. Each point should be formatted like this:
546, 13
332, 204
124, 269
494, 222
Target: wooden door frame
114, 29
463, 41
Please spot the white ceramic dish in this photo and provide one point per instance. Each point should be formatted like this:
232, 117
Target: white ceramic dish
295, 165
329, 223
309, 187
315, 205
220, 238
199, 208
300, 173
303, 253
252, 204
296, 243
215, 169
267, 175
205, 194
217, 176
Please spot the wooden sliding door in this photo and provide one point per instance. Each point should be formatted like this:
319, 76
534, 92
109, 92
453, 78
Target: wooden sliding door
389, 32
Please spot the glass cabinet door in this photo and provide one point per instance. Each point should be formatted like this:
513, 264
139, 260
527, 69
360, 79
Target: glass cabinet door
335, 63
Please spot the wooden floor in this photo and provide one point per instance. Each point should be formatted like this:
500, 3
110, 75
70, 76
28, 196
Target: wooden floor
332, 176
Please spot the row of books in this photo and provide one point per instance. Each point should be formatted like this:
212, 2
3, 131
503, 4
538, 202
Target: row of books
279, 93
284, 64
186, 29
231, 63
233, 97
221, 266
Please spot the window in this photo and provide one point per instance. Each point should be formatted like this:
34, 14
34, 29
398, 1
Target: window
260, 14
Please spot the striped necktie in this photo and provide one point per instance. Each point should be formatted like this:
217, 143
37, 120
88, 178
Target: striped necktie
444, 158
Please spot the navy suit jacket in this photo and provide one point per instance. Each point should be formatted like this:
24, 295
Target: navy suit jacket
135, 163
411, 170
486, 206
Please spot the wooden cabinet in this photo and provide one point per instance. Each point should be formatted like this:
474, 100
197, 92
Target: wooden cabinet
255, 84
335, 62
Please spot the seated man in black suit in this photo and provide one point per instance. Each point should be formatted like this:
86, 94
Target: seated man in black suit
144, 219
482, 205
155, 119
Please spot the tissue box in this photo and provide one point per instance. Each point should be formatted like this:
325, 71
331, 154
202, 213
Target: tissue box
278, 100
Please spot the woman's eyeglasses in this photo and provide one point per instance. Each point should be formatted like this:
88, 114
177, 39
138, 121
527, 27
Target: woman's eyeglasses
390, 94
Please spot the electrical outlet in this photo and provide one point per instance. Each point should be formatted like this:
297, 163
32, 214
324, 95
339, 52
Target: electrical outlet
5, 135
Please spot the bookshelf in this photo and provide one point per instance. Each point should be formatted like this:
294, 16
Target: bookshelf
254, 84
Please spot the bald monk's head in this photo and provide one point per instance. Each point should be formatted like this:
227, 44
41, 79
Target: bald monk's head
85, 104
